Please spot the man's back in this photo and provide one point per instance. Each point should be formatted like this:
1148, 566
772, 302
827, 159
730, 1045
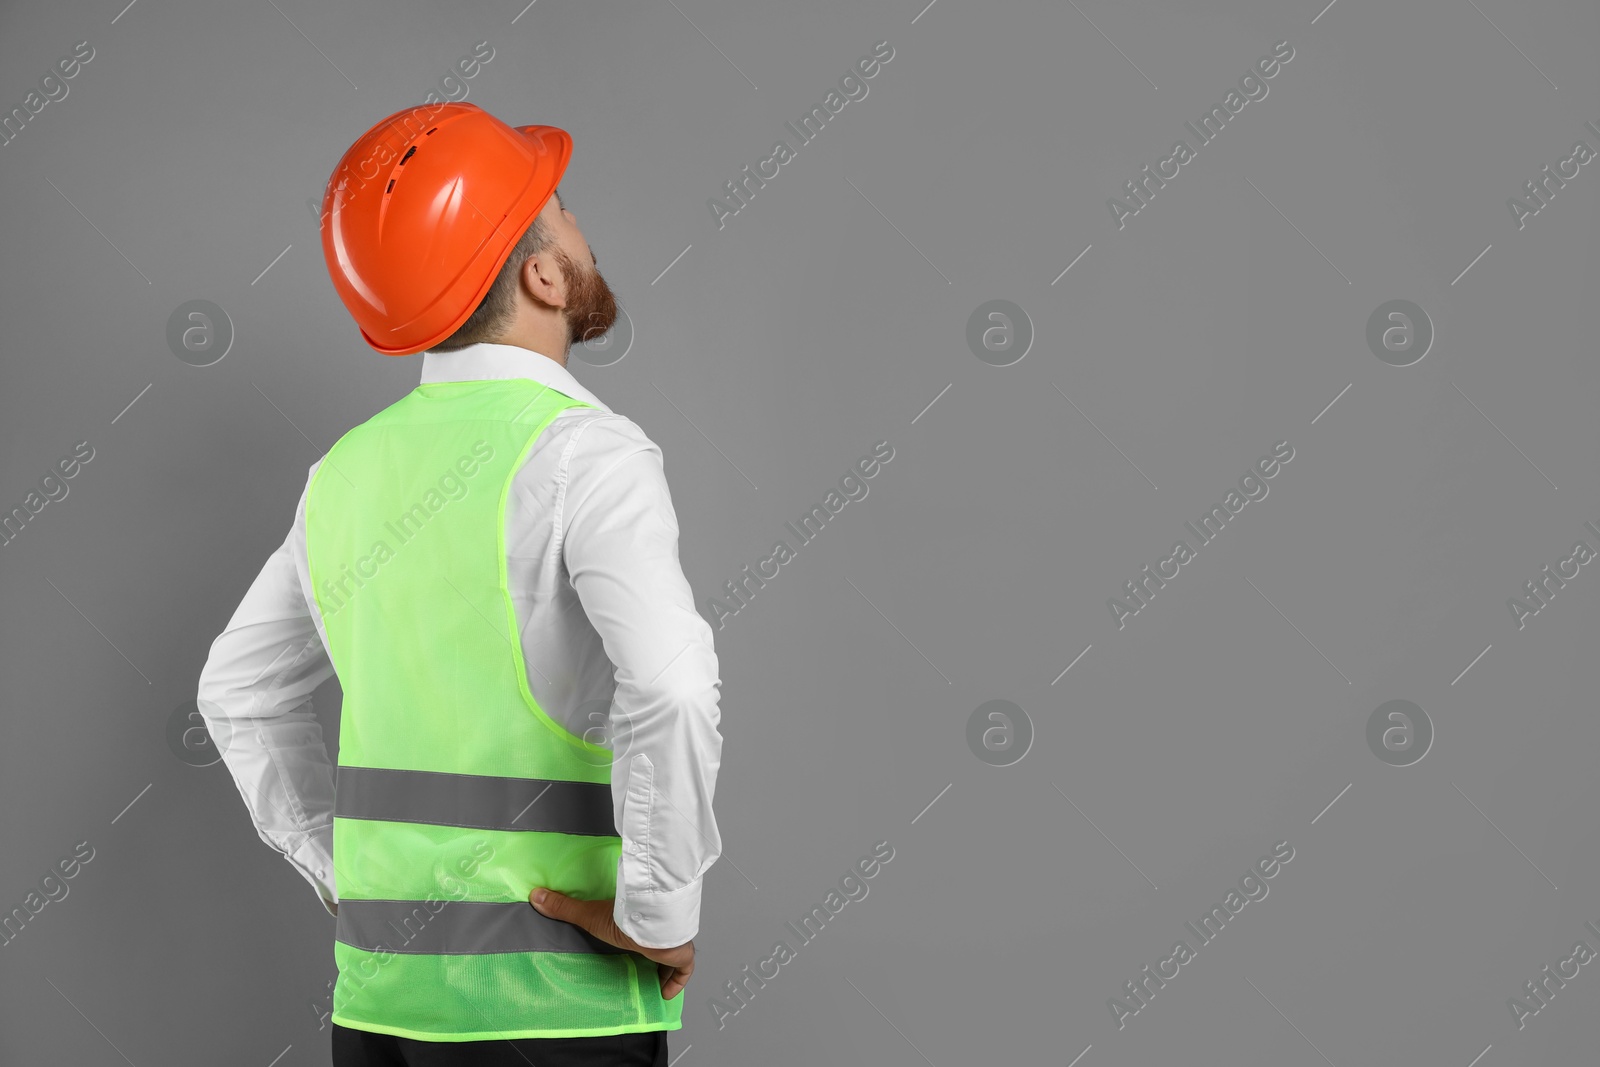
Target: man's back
444, 545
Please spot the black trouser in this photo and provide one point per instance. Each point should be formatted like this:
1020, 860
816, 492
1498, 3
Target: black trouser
361, 1048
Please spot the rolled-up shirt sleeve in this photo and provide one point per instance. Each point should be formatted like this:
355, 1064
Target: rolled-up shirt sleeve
254, 694
619, 541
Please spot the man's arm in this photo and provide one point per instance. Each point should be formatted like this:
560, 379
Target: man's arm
255, 695
620, 544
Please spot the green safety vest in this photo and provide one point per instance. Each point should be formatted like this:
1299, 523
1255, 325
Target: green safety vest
457, 793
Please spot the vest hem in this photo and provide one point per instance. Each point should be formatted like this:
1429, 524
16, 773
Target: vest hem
495, 1035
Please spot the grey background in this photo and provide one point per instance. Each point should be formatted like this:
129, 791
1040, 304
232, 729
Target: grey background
1212, 326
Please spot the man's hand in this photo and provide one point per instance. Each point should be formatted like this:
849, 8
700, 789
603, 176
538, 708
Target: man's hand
595, 916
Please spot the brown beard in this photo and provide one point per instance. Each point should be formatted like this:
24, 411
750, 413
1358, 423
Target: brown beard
591, 308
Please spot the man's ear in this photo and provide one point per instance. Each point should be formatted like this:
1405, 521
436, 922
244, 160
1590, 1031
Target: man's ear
540, 280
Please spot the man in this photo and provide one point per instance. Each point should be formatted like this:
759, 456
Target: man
490, 565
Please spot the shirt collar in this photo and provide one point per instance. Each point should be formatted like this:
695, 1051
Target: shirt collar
489, 360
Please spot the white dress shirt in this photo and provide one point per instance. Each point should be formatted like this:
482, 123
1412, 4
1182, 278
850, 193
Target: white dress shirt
615, 650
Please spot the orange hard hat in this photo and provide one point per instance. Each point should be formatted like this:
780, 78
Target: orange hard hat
422, 212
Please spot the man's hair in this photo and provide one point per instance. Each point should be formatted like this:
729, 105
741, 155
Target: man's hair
493, 313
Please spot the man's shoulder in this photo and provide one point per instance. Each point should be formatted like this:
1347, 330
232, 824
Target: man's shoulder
595, 434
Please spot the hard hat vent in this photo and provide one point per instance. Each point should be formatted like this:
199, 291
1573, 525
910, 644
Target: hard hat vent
409, 153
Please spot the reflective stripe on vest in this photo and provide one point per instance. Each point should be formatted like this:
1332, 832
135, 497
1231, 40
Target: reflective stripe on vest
476, 800
456, 792
459, 927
